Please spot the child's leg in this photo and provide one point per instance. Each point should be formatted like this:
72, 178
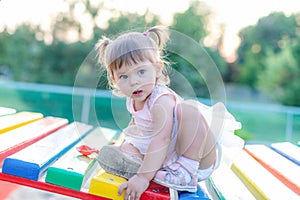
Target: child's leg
123, 160
131, 150
194, 141
194, 145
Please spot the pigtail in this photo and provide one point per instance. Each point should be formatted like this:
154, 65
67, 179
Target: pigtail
162, 35
100, 48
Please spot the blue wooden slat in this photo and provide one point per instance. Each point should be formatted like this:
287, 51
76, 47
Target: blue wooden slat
32, 161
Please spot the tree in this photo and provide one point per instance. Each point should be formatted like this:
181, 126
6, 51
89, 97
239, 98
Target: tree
192, 23
21, 53
280, 79
52, 57
268, 34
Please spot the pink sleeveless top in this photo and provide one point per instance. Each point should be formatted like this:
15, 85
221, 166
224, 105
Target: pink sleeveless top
141, 132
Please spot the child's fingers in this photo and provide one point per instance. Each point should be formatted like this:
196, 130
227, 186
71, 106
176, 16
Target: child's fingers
122, 187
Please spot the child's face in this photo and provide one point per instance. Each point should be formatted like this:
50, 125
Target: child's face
137, 81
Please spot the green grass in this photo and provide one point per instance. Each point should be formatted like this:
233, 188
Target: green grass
258, 125
261, 125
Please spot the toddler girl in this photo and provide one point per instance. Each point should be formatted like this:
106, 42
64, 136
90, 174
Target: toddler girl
168, 139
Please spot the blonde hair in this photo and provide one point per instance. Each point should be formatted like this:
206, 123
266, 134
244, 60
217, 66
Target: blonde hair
132, 48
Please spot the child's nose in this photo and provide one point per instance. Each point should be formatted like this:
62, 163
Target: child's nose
133, 80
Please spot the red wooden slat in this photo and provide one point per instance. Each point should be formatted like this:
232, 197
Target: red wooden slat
49, 187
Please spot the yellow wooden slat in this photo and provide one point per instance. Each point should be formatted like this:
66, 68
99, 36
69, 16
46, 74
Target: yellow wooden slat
228, 185
9, 122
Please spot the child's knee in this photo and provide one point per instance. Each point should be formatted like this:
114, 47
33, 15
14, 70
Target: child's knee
130, 149
188, 110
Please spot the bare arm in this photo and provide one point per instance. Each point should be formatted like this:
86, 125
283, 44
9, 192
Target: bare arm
162, 116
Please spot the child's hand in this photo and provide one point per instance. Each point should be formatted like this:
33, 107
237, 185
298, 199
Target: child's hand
135, 187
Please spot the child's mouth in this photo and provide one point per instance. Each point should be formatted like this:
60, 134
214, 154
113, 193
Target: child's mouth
137, 93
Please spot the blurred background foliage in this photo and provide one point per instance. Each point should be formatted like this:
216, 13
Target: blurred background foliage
268, 57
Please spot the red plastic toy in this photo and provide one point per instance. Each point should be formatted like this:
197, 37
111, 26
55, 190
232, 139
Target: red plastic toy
86, 150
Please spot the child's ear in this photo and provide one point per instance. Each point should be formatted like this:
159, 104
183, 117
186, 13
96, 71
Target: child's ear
113, 80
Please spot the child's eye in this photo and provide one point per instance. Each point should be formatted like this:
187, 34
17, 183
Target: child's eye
123, 77
141, 72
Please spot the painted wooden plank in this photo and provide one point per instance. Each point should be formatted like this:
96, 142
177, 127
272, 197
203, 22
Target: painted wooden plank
220, 179
32, 161
201, 193
158, 192
6, 189
9, 122
213, 192
49, 187
285, 170
72, 170
6, 111
106, 185
260, 182
288, 150
19, 138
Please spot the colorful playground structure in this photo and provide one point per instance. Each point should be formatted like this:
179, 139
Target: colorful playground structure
52, 154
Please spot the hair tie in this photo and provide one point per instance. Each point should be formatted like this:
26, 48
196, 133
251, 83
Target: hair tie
107, 41
146, 33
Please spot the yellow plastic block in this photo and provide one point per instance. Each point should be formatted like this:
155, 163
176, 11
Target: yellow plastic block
106, 185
